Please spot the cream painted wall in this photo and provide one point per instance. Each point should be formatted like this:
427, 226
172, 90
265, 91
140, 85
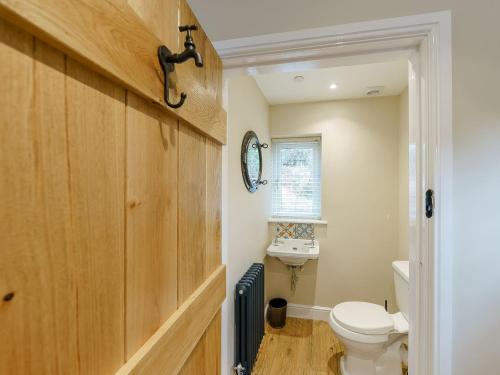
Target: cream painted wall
247, 213
476, 140
403, 184
360, 170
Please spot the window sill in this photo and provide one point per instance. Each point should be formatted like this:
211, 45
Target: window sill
296, 221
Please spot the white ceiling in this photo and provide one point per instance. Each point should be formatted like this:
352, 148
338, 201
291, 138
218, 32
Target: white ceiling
352, 82
229, 19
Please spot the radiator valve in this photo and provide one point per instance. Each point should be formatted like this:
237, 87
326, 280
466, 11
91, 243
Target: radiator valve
240, 370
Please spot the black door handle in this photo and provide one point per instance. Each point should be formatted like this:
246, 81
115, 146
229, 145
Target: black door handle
429, 203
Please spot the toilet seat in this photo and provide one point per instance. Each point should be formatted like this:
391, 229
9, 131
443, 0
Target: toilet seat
353, 321
353, 336
363, 317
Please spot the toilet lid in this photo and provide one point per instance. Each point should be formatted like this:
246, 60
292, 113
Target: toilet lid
363, 317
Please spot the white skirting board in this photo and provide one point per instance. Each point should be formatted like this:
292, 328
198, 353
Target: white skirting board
306, 312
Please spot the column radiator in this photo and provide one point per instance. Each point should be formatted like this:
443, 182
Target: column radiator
249, 318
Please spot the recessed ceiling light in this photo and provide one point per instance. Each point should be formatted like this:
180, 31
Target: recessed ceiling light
333, 86
298, 78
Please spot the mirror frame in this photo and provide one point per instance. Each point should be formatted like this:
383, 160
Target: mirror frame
251, 186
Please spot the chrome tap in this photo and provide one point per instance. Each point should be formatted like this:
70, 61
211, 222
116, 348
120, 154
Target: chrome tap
277, 241
312, 243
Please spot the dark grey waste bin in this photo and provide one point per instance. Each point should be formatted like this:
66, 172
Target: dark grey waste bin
277, 312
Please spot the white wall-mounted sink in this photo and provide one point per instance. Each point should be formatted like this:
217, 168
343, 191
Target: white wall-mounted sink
294, 252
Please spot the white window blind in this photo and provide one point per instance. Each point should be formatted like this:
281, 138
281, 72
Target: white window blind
296, 178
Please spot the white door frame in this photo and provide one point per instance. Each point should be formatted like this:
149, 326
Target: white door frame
426, 41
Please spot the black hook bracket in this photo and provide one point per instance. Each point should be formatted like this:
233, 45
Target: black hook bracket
167, 67
168, 60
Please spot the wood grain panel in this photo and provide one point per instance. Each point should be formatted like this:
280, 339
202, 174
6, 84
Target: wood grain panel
214, 206
167, 350
213, 346
151, 220
111, 215
192, 207
207, 353
35, 261
210, 77
162, 18
113, 41
206, 356
214, 70
196, 360
187, 17
96, 139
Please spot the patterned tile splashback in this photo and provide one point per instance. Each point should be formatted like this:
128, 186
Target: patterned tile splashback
292, 230
285, 230
304, 231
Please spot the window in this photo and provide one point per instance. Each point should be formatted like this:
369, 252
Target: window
296, 179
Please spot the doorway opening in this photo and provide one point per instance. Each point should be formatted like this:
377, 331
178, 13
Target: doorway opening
425, 43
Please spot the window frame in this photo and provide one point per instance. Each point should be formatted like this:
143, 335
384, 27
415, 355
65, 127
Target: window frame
317, 166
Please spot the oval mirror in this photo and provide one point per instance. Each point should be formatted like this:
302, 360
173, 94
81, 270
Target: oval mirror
251, 161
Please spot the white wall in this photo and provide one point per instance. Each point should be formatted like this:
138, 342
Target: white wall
246, 214
476, 135
359, 177
403, 175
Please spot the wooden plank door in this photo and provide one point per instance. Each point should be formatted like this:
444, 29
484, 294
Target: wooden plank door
110, 216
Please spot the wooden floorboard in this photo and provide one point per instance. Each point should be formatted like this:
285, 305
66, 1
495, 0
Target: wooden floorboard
302, 347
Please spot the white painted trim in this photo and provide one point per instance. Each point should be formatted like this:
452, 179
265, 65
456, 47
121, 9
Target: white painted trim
226, 312
308, 312
428, 35
414, 224
388, 37
296, 221
308, 39
443, 182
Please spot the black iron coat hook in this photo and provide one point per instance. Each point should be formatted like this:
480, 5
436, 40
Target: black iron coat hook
169, 59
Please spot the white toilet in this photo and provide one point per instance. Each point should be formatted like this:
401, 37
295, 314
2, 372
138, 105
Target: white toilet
371, 336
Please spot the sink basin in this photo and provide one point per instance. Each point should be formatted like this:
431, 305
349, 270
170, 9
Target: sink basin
294, 252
